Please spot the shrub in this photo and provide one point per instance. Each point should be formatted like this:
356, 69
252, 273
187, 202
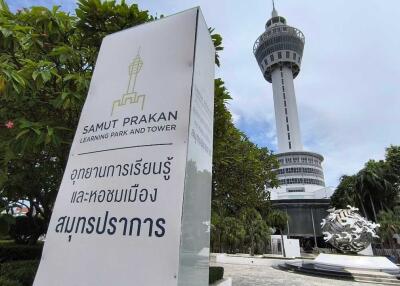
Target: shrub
6, 221
18, 273
7, 282
216, 273
27, 230
12, 252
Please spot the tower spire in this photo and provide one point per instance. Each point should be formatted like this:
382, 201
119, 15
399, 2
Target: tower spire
274, 12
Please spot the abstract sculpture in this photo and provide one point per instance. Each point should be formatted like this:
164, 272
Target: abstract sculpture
348, 231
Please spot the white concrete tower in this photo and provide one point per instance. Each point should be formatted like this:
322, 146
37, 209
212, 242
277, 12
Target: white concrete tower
279, 52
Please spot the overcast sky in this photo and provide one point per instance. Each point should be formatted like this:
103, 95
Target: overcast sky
348, 90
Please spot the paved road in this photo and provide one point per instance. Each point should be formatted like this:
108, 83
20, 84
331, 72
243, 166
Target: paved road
257, 275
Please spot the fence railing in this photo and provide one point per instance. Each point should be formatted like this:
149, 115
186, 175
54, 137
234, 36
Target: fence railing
385, 251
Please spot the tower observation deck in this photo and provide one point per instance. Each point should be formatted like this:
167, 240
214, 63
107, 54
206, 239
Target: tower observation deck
279, 53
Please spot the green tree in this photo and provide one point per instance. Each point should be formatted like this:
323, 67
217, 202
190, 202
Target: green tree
393, 170
393, 159
46, 63
256, 228
233, 234
389, 226
345, 193
241, 170
374, 188
279, 220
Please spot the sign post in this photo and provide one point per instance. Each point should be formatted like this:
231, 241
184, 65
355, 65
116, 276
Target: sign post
134, 203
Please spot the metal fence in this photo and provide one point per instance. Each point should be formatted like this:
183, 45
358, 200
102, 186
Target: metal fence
385, 251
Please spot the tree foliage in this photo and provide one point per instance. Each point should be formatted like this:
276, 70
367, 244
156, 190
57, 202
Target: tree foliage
374, 188
46, 63
389, 226
241, 171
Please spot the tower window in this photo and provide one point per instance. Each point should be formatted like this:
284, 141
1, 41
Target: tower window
288, 136
290, 145
265, 61
284, 96
287, 119
271, 57
279, 55
283, 88
294, 56
287, 127
284, 103
286, 111
287, 55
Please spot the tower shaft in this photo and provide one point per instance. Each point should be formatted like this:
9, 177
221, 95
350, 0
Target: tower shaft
287, 121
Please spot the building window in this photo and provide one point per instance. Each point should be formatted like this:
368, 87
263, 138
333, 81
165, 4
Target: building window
279, 55
287, 55
290, 145
287, 119
294, 56
280, 68
284, 102
283, 88
286, 111
282, 81
265, 61
287, 127
288, 136
271, 57
284, 96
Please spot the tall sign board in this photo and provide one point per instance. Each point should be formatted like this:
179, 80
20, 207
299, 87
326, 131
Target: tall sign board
134, 203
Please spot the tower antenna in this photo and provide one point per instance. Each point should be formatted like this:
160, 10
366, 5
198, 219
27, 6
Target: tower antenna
274, 12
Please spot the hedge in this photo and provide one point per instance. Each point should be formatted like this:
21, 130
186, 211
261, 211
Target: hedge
22, 273
7, 282
216, 273
13, 252
18, 273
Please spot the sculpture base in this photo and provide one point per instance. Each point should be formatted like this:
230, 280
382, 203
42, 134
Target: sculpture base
372, 269
357, 262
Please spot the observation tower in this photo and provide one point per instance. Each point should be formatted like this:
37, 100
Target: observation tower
279, 53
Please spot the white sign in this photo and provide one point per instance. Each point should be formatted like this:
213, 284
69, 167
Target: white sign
134, 203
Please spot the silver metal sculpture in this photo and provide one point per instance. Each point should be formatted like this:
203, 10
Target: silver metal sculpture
347, 230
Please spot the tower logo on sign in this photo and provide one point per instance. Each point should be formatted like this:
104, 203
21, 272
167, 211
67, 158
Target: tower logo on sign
131, 96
